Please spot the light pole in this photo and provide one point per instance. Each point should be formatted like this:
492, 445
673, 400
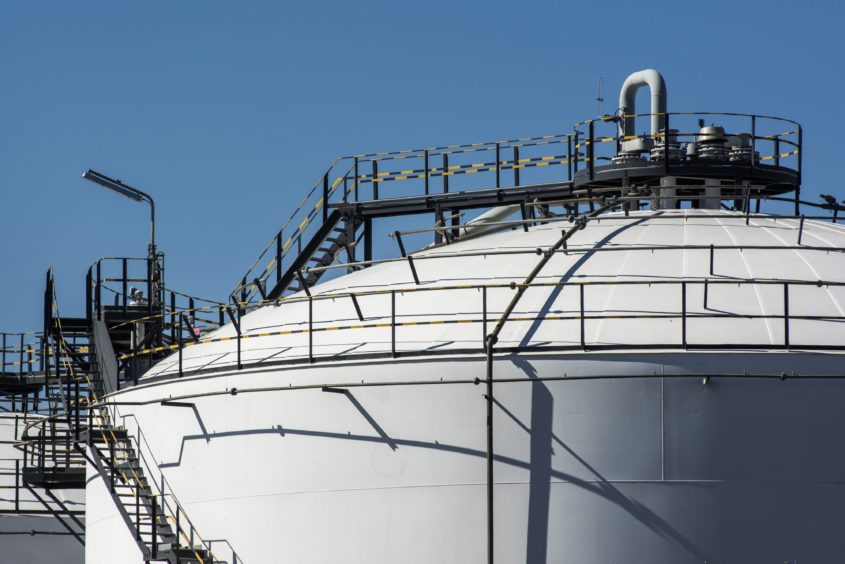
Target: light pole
132, 194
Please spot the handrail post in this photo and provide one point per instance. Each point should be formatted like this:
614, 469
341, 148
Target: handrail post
393, 323
180, 342
125, 283
786, 314
355, 185
516, 165
155, 519
483, 317
712, 249
279, 257
239, 336
753, 140
310, 329
666, 143
138, 514
375, 179
445, 173
498, 165
568, 157
425, 162
800, 158
325, 196
581, 316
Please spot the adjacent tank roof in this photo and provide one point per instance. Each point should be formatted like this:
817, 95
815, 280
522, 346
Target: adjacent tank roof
665, 248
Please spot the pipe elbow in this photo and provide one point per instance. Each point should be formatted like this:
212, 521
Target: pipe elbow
627, 99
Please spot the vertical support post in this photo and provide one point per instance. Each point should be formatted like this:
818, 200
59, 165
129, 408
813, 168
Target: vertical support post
97, 292
786, 314
393, 323
800, 159
575, 154
516, 165
425, 163
89, 305
581, 316
706, 286
438, 222
798, 186
368, 239
150, 285
777, 150
490, 449
591, 150
746, 207
569, 157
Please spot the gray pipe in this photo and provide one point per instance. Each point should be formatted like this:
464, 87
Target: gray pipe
627, 100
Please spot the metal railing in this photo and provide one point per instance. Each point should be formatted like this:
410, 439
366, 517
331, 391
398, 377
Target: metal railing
500, 163
21, 354
686, 311
432, 170
770, 140
176, 514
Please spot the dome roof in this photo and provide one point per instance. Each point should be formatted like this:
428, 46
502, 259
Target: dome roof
643, 278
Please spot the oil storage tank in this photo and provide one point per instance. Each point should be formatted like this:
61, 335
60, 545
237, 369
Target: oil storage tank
643, 367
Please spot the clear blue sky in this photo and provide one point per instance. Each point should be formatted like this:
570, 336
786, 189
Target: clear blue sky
227, 111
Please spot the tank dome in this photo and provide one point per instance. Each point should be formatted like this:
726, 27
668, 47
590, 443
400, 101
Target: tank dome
613, 258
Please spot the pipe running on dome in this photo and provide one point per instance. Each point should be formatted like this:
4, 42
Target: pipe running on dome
627, 101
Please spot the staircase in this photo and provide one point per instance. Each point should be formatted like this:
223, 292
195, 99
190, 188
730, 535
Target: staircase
338, 234
160, 528
51, 456
77, 429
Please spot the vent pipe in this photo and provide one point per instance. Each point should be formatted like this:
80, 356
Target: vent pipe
627, 101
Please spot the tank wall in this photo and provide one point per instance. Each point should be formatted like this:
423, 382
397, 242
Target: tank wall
640, 468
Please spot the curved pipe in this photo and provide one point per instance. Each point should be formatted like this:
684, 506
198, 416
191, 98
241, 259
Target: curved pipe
627, 100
